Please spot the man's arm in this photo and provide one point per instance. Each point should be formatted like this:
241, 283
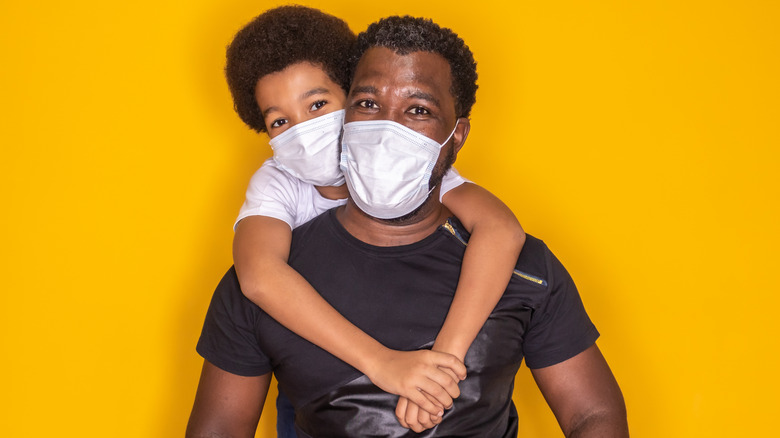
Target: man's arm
227, 405
584, 396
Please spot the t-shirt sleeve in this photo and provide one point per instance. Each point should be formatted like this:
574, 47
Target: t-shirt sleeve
272, 192
560, 328
228, 339
451, 180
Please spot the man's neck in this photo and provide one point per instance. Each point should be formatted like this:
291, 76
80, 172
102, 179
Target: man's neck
379, 232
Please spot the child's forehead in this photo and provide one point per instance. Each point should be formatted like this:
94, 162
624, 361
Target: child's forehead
300, 74
296, 84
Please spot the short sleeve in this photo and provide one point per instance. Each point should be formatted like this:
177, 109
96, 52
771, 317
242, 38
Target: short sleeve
451, 180
560, 327
272, 192
228, 339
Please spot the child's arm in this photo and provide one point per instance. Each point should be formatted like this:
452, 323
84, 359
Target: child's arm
260, 251
490, 258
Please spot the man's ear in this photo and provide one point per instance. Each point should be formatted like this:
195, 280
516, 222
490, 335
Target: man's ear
461, 133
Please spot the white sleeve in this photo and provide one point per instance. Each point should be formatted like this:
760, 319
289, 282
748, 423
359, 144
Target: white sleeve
451, 180
272, 192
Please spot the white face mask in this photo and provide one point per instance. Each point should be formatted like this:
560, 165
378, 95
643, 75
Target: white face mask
309, 150
387, 166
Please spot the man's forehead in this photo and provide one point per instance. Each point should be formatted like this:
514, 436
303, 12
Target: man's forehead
383, 65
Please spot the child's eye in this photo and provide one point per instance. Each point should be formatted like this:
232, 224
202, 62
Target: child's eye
278, 122
419, 111
318, 104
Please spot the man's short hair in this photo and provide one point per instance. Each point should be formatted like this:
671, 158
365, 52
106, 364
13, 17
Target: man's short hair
281, 37
407, 34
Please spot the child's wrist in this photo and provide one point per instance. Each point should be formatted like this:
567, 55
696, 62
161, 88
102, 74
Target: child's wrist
373, 358
452, 348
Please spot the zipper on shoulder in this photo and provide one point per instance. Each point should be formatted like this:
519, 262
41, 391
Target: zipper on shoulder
532, 278
448, 226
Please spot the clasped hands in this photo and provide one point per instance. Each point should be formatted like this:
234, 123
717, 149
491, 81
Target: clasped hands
426, 381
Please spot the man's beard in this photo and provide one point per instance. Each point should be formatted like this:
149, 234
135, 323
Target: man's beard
437, 175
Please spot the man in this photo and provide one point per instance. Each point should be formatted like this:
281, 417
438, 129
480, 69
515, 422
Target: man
412, 90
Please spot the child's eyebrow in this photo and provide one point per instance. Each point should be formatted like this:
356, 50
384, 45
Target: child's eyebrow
306, 95
269, 109
314, 91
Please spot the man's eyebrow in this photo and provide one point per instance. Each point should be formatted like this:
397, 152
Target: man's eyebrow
368, 89
419, 94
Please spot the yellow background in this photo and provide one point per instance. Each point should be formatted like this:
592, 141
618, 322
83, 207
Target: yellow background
638, 139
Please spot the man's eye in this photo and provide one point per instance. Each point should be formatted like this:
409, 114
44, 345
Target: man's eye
419, 111
278, 122
318, 104
367, 103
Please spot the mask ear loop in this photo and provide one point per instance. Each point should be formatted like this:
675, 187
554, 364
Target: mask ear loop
451, 133
442, 145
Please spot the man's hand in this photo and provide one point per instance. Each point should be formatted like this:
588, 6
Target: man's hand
427, 378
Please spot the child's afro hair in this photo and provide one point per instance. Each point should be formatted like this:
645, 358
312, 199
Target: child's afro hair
277, 39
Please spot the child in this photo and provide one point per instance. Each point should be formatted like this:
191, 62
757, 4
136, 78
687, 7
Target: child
287, 70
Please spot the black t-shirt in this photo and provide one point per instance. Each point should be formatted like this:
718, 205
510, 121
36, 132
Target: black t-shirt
400, 296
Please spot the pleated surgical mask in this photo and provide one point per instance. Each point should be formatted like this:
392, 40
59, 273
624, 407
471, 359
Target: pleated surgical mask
309, 150
387, 166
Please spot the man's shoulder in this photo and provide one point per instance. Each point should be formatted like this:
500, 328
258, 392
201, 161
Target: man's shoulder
317, 228
229, 294
533, 265
228, 339
534, 256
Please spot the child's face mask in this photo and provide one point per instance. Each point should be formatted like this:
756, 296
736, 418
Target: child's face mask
309, 150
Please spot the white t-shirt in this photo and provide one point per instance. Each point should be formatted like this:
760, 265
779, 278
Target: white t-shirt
272, 192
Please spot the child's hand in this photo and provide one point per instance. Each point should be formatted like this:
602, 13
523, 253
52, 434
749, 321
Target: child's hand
417, 374
412, 417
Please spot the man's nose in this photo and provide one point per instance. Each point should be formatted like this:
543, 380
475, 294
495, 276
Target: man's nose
395, 114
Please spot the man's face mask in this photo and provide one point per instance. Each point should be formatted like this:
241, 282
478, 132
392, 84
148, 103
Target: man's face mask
387, 166
309, 150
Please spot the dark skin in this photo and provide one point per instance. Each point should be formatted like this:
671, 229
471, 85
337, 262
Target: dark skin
414, 90
417, 96
584, 396
227, 405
